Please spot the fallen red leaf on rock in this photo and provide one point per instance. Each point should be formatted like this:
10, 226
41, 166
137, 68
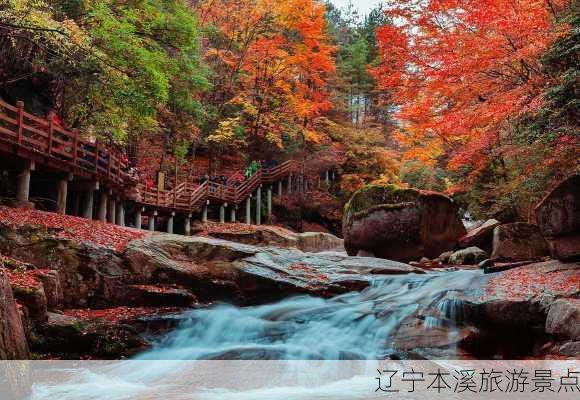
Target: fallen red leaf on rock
72, 228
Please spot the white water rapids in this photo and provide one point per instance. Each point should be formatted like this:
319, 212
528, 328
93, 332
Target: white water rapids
355, 326
350, 326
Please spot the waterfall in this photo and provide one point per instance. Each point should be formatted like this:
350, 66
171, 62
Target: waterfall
309, 333
351, 326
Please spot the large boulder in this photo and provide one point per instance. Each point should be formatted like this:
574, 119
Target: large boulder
469, 256
538, 295
216, 270
85, 275
519, 242
71, 336
13, 345
401, 224
481, 237
564, 319
558, 216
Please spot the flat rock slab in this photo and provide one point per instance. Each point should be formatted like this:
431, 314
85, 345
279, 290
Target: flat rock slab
524, 297
227, 271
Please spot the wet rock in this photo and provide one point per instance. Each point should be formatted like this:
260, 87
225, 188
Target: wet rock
486, 264
444, 258
558, 216
564, 319
255, 353
481, 236
226, 271
401, 224
469, 256
519, 242
89, 275
13, 345
496, 267
72, 336
413, 334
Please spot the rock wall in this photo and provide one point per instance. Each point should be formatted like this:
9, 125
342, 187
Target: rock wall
13, 345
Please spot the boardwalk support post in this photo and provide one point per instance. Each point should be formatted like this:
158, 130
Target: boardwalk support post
223, 213
280, 188
204, 213
269, 203
123, 221
61, 199
327, 178
120, 217
259, 205
249, 210
103, 202
233, 215
89, 200
152, 221
290, 183
23, 184
137, 221
187, 227
111, 209
170, 222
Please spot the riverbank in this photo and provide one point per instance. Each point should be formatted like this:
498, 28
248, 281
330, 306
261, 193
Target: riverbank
78, 297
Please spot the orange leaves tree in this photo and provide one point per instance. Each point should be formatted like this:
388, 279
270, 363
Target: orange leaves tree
270, 63
463, 72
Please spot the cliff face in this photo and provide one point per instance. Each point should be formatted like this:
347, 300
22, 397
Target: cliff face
13, 345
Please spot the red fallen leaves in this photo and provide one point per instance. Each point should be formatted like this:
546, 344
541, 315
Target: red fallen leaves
72, 228
210, 228
155, 289
309, 272
521, 283
213, 227
23, 280
120, 314
19, 274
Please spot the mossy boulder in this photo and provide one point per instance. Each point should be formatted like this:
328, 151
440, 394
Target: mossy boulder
558, 217
401, 224
519, 242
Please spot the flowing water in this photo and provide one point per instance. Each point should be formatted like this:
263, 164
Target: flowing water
352, 326
355, 326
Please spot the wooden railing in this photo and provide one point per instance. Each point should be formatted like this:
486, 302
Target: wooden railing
42, 137
189, 197
35, 137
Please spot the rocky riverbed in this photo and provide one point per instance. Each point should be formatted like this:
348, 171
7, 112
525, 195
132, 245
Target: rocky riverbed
76, 299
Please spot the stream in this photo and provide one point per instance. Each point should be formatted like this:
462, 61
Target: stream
297, 336
354, 326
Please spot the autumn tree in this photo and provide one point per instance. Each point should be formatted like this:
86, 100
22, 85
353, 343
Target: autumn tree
114, 68
463, 74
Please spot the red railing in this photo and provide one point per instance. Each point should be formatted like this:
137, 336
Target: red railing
42, 137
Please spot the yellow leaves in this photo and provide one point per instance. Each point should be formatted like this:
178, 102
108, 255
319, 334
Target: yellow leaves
228, 133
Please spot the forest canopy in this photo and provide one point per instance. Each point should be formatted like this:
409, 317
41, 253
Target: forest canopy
477, 99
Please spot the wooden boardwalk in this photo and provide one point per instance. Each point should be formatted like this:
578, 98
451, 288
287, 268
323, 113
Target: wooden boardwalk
40, 142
